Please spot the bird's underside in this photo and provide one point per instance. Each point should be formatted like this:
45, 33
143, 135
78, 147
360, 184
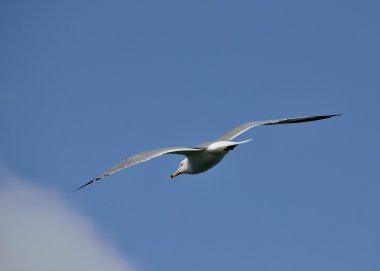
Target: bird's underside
204, 156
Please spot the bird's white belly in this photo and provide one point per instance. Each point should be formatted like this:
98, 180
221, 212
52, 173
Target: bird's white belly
203, 161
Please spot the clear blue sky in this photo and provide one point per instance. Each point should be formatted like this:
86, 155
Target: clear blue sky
85, 84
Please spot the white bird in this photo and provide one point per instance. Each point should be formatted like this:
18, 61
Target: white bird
205, 156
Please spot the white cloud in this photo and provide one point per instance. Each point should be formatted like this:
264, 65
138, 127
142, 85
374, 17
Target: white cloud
39, 232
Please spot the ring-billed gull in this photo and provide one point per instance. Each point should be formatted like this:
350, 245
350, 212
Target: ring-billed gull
205, 156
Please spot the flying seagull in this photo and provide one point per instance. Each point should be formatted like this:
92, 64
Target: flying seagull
205, 156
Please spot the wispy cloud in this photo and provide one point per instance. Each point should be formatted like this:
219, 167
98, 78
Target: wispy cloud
38, 231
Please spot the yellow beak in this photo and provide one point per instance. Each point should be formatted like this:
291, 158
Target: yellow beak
175, 173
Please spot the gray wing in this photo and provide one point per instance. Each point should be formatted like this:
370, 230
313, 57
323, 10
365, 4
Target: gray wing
142, 157
231, 134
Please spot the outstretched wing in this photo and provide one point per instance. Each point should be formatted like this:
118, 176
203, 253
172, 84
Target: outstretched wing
142, 157
231, 134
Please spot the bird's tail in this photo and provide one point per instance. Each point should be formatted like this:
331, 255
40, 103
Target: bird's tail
242, 142
234, 144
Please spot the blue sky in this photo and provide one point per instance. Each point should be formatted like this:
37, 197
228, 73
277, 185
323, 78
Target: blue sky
85, 84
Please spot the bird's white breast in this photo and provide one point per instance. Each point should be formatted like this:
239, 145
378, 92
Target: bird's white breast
211, 156
200, 162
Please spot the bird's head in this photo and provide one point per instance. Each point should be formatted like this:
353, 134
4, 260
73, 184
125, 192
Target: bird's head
182, 169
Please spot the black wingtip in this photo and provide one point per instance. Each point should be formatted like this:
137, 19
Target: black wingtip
324, 117
90, 182
335, 115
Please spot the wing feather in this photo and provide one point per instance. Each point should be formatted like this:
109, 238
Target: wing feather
142, 157
231, 134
